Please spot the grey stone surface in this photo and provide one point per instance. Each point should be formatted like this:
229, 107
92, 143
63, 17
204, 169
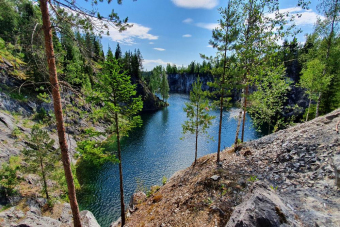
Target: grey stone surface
336, 166
33, 220
261, 207
87, 219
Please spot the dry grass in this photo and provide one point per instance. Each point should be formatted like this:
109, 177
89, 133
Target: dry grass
191, 198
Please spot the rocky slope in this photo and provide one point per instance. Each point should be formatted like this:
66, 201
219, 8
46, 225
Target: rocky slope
284, 179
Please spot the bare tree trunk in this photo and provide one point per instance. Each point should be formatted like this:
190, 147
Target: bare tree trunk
222, 96
238, 129
196, 134
44, 178
244, 112
317, 106
122, 205
310, 100
58, 111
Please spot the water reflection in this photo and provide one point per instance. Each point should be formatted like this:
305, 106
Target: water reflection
148, 154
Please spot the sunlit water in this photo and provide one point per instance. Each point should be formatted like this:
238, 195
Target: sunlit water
149, 153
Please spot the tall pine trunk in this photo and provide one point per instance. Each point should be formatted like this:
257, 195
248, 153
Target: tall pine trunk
244, 112
238, 129
196, 133
44, 178
58, 111
122, 205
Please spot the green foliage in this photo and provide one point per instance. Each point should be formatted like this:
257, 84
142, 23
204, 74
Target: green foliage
18, 96
59, 176
164, 88
155, 79
44, 97
312, 78
16, 133
164, 180
197, 111
268, 99
40, 155
253, 179
93, 152
8, 175
115, 91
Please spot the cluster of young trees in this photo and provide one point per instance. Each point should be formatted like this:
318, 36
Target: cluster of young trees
248, 56
158, 82
56, 40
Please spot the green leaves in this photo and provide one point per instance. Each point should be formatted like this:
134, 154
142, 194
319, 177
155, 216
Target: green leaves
92, 152
197, 111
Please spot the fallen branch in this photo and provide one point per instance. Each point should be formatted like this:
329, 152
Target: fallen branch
62, 83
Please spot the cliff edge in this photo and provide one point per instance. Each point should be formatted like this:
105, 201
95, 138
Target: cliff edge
284, 179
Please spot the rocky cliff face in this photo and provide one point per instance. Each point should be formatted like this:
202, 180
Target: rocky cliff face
284, 179
182, 83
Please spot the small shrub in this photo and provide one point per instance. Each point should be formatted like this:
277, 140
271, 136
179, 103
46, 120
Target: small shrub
18, 96
16, 133
253, 179
164, 180
157, 198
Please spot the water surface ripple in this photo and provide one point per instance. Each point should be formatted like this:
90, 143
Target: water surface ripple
149, 153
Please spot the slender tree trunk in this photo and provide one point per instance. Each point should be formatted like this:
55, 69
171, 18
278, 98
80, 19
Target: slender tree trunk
122, 205
317, 106
58, 111
238, 129
222, 96
244, 112
196, 134
44, 178
310, 100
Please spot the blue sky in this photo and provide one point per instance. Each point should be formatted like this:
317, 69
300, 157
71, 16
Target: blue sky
177, 31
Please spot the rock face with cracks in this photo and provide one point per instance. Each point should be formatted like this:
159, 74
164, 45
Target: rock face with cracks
288, 178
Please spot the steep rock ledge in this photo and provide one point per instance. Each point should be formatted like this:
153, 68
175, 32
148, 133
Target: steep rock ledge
283, 179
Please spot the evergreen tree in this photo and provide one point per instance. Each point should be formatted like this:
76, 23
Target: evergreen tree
115, 91
223, 40
40, 156
155, 79
197, 111
118, 52
164, 88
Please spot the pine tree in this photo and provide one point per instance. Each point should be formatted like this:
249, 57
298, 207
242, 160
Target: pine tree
197, 111
50, 56
115, 91
223, 40
41, 157
164, 88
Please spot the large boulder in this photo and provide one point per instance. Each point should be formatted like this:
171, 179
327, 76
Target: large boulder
33, 220
87, 219
261, 207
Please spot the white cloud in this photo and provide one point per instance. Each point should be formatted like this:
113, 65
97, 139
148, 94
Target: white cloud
209, 26
128, 36
187, 35
159, 49
188, 21
195, 4
307, 17
150, 64
210, 46
151, 43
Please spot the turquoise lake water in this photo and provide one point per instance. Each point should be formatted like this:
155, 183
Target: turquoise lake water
149, 153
